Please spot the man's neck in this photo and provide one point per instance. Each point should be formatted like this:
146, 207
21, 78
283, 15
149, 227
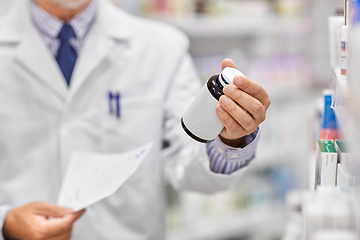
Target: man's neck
59, 12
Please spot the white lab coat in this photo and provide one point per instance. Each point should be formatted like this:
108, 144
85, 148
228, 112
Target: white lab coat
42, 121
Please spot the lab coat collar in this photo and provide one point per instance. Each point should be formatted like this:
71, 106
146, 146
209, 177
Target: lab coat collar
16, 22
112, 26
31, 51
111, 29
115, 22
11, 26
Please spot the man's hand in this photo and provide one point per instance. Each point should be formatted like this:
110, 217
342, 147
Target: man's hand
39, 220
242, 108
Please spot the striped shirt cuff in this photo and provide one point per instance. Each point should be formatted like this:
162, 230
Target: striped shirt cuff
226, 160
4, 210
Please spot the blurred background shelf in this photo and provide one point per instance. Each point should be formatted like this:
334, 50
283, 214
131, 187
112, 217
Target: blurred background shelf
341, 103
236, 27
341, 85
269, 219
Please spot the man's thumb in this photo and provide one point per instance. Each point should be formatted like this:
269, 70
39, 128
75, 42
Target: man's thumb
50, 210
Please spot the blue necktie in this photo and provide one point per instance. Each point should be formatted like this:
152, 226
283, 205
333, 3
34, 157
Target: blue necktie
66, 56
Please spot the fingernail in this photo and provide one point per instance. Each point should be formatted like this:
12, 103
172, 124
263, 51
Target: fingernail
228, 89
224, 100
220, 109
238, 81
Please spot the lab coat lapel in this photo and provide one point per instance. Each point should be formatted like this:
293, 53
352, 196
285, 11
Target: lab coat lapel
36, 58
95, 49
31, 51
102, 38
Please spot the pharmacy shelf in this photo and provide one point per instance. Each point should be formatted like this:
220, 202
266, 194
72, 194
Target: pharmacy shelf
269, 219
289, 93
342, 86
341, 103
234, 27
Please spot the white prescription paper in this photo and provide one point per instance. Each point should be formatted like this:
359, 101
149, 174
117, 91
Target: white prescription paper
91, 177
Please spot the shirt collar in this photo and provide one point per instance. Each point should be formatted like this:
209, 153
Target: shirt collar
51, 25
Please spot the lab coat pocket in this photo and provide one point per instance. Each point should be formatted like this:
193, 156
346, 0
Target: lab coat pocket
139, 122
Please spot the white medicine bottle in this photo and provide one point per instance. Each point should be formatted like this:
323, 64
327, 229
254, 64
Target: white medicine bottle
200, 120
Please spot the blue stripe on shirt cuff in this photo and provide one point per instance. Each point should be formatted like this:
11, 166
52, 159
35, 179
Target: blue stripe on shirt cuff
226, 160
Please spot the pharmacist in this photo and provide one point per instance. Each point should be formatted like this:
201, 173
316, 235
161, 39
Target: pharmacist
84, 75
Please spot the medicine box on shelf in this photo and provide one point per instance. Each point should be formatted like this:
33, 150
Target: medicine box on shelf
326, 163
344, 155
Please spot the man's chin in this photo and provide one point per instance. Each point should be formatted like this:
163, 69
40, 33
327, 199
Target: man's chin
70, 4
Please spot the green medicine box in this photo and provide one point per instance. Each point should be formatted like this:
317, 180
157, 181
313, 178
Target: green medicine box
344, 155
326, 163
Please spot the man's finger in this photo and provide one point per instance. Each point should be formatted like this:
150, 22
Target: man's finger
240, 116
50, 210
58, 226
228, 63
231, 127
247, 102
77, 215
253, 89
